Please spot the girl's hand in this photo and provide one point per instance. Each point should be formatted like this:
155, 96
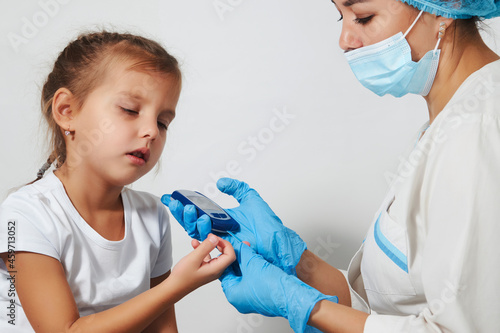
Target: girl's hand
198, 268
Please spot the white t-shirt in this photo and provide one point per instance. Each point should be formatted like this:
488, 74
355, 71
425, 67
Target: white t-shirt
40, 218
429, 262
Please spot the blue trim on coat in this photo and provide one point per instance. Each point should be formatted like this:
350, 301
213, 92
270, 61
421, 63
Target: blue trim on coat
389, 249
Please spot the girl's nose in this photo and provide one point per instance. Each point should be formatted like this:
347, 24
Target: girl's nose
150, 129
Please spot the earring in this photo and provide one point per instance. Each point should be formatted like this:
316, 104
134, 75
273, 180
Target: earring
67, 132
442, 29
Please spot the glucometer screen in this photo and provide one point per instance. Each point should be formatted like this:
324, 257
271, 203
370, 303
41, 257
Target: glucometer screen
221, 221
202, 203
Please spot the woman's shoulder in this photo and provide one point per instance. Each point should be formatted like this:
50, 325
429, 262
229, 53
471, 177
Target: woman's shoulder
464, 132
475, 105
478, 97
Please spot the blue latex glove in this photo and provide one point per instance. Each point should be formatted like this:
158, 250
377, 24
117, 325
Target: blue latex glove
266, 289
197, 228
259, 225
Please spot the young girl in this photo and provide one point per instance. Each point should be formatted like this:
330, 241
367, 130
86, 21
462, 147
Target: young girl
82, 253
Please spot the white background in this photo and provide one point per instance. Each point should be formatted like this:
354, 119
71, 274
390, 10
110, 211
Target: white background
323, 169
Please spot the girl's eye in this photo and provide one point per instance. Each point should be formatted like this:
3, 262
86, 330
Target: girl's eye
341, 17
363, 20
162, 126
129, 111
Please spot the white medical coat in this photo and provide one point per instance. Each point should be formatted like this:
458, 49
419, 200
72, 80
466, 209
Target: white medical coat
430, 260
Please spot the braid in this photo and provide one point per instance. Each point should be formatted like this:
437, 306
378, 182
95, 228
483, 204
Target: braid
45, 167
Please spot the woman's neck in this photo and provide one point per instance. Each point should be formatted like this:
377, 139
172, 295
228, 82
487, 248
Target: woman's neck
457, 63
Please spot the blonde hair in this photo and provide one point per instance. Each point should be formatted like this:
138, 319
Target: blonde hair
81, 66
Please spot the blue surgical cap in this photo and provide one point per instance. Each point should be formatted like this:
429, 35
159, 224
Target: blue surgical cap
458, 9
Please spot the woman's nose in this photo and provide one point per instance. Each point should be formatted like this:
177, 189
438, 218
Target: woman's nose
348, 40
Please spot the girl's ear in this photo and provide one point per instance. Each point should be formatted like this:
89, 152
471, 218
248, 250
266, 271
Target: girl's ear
63, 108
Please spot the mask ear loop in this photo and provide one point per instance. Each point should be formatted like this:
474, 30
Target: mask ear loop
413, 24
442, 30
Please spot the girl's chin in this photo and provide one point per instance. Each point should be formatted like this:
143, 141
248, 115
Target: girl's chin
133, 177
124, 180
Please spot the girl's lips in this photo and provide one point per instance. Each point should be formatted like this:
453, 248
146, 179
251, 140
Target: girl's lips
139, 156
136, 160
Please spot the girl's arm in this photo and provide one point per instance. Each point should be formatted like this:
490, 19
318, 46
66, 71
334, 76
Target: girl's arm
166, 322
50, 306
317, 273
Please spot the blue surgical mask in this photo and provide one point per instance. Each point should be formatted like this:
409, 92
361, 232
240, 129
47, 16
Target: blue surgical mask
387, 67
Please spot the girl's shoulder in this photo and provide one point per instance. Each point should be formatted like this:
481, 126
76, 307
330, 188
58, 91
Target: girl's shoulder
39, 213
141, 198
144, 203
33, 195
146, 211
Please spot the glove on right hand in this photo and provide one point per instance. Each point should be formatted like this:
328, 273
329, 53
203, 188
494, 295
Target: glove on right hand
260, 226
265, 289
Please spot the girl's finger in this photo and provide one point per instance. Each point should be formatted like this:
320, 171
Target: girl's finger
195, 243
203, 249
227, 252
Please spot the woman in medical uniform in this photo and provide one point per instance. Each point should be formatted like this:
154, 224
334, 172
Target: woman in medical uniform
429, 262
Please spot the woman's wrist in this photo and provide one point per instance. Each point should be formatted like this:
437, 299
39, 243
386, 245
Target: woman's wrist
308, 263
332, 317
317, 273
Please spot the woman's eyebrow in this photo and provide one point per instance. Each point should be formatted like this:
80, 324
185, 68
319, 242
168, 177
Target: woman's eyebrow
349, 3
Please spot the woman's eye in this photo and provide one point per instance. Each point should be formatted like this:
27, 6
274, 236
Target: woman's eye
363, 20
341, 17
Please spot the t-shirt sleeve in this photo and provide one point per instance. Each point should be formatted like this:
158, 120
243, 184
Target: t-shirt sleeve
164, 261
26, 227
460, 274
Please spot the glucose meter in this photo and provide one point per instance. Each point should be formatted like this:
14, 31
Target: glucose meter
221, 221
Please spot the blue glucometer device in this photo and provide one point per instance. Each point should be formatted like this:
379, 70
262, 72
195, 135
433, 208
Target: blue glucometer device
221, 221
